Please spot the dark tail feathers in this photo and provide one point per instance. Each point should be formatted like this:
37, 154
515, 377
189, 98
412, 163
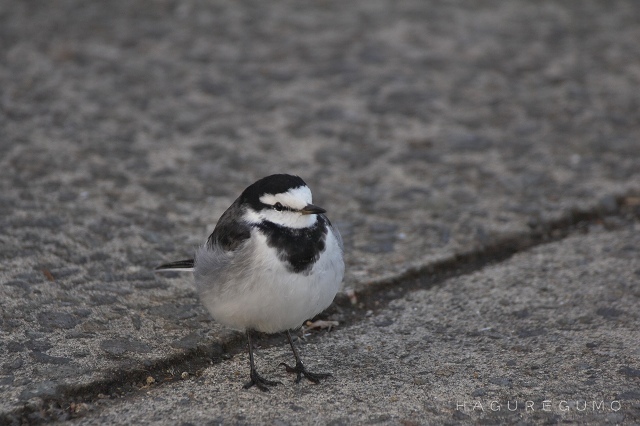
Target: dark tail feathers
180, 265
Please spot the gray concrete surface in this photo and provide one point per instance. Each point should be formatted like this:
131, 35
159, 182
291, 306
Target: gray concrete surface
532, 339
429, 130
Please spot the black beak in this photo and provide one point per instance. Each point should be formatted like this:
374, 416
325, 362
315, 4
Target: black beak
311, 209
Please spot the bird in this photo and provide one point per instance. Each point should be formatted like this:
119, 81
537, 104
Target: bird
272, 261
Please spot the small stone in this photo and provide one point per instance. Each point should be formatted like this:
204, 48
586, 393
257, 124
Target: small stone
609, 313
53, 320
479, 392
118, 347
629, 371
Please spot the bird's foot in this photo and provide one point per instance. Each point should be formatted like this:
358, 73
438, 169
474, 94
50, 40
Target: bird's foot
301, 371
259, 382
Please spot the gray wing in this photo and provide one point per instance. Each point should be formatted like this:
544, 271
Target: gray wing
230, 232
224, 255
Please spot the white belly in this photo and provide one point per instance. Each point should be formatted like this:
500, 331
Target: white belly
267, 297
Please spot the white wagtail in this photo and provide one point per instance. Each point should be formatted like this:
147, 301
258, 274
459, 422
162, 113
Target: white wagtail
272, 261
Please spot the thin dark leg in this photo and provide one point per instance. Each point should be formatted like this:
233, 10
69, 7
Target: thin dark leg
260, 382
299, 368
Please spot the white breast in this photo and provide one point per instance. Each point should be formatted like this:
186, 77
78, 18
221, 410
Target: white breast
262, 294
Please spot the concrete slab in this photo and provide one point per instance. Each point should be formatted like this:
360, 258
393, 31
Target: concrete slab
426, 130
549, 336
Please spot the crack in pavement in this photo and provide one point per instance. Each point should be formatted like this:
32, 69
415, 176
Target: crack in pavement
350, 308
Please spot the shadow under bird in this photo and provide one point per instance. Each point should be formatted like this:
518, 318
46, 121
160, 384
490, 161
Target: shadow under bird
273, 261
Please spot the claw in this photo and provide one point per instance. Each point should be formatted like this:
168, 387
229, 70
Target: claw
301, 371
260, 382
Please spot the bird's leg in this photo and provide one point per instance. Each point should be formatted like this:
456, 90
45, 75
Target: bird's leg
260, 382
299, 368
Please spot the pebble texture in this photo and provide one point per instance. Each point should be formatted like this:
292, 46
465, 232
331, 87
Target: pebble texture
425, 129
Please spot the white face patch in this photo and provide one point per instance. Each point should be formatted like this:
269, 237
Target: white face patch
294, 199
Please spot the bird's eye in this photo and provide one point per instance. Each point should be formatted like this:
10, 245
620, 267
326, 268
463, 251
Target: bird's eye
279, 207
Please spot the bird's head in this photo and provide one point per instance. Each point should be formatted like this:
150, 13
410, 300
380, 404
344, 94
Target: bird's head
281, 199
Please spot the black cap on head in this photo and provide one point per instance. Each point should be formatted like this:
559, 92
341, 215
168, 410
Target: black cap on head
274, 184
